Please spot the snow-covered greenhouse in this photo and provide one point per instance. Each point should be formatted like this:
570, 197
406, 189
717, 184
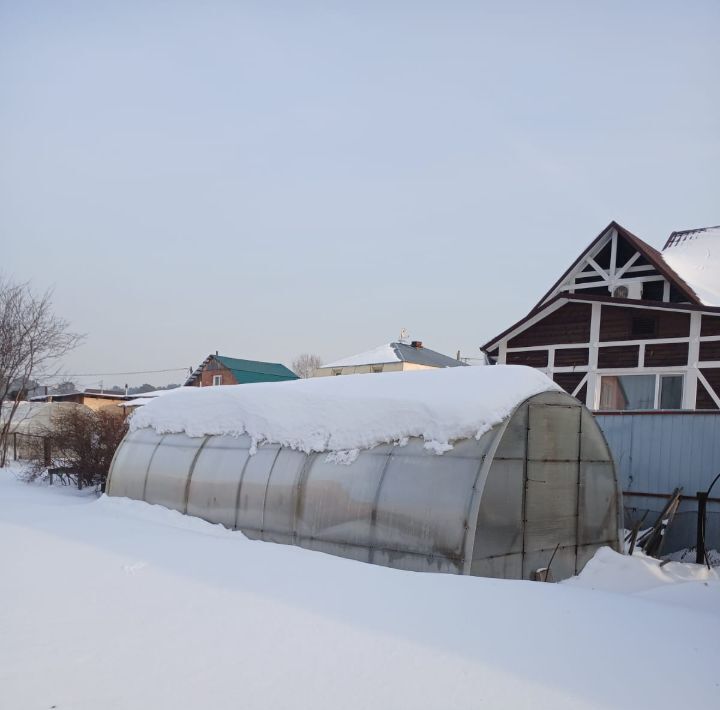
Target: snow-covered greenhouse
490, 471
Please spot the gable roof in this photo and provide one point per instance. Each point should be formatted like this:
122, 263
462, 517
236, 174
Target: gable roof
247, 371
654, 257
694, 254
398, 352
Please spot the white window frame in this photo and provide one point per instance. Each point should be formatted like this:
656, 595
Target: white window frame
658, 374
217, 380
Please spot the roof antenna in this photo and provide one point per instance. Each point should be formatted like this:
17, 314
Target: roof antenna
404, 335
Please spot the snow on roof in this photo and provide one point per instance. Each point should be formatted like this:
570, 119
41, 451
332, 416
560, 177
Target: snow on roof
397, 352
377, 356
141, 398
695, 256
344, 414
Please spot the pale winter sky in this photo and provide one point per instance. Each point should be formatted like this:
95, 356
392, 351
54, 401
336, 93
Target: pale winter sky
271, 178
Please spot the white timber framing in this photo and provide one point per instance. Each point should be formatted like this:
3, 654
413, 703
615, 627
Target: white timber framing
614, 275
691, 371
691, 378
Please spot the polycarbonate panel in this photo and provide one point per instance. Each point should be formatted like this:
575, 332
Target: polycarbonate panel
561, 567
423, 503
550, 504
592, 442
499, 525
130, 465
501, 567
514, 438
281, 496
338, 500
253, 488
169, 469
598, 503
215, 481
553, 432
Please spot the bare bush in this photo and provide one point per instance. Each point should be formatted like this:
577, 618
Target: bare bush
305, 365
81, 445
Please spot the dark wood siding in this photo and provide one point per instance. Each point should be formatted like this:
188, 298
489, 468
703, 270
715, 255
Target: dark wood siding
532, 358
710, 351
704, 400
710, 325
571, 356
619, 356
666, 354
616, 323
568, 324
568, 380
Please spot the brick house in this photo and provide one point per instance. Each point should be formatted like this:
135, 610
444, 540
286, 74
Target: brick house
222, 370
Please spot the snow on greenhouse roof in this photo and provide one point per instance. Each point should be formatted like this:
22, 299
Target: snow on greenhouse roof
695, 256
345, 414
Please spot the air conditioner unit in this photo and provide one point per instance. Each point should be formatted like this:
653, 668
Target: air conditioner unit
628, 290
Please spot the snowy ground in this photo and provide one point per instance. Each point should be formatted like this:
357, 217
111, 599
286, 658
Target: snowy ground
117, 604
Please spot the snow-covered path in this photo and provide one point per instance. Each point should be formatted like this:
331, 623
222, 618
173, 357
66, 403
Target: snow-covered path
116, 604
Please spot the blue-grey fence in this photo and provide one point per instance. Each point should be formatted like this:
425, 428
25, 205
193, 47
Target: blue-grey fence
656, 452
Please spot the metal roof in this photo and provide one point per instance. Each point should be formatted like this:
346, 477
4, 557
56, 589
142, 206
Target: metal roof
398, 352
424, 356
255, 371
247, 371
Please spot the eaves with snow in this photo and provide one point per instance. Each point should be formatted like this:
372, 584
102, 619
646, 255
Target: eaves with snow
694, 255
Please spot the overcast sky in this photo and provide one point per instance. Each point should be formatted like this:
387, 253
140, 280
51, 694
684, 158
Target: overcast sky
265, 179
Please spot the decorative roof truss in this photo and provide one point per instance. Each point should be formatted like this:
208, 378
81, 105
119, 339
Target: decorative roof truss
611, 261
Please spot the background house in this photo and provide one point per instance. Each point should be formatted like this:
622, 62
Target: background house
222, 370
398, 356
627, 326
92, 398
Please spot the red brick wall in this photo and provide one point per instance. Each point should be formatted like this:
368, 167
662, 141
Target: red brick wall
206, 377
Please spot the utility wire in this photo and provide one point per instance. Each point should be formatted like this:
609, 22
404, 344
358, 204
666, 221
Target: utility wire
113, 374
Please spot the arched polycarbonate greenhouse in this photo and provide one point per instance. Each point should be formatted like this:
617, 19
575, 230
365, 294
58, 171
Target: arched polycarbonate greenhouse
490, 471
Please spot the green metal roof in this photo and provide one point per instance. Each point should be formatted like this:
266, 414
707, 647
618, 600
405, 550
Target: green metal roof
246, 371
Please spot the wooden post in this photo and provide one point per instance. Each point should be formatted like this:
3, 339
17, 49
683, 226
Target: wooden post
702, 497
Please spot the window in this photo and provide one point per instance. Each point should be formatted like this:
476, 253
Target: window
337, 371
377, 368
671, 387
655, 391
217, 379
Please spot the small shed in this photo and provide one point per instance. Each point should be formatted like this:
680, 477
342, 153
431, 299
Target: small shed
490, 471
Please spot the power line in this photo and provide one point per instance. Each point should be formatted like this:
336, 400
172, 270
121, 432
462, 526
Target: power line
114, 374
